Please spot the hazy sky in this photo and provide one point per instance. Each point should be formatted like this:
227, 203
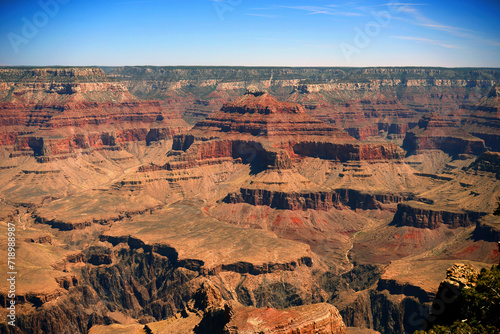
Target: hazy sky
244, 32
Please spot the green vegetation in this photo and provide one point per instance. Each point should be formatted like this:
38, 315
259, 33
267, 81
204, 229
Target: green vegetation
479, 308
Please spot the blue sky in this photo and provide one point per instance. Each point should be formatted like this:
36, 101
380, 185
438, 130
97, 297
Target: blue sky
250, 33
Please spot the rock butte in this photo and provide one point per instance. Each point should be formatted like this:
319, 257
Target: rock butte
290, 206
269, 134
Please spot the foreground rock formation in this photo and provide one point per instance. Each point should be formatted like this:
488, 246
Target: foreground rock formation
209, 313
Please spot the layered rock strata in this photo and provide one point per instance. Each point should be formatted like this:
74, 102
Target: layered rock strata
435, 132
487, 162
76, 112
488, 229
423, 215
269, 135
445, 306
481, 119
284, 189
317, 318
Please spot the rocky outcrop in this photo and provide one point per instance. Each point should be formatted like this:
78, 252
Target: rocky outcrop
383, 312
434, 132
317, 318
264, 116
201, 152
144, 285
480, 118
488, 229
68, 131
267, 134
359, 100
423, 215
53, 113
208, 313
396, 288
285, 201
363, 132
461, 276
445, 306
487, 162
284, 189
348, 151
322, 199
303, 80
79, 74
356, 199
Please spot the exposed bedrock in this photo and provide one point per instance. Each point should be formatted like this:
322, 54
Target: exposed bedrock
363, 132
258, 155
310, 319
437, 132
138, 284
50, 144
491, 138
395, 313
151, 285
422, 215
54, 119
75, 312
356, 199
348, 151
448, 143
267, 134
481, 119
383, 311
182, 142
198, 266
317, 199
209, 313
395, 287
488, 229
160, 133
264, 116
59, 114
368, 300
285, 201
446, 305
487, 162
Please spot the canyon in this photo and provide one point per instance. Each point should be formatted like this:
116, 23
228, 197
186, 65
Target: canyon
244, 200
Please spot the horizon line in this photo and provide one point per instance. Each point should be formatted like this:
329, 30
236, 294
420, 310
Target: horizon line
250, 66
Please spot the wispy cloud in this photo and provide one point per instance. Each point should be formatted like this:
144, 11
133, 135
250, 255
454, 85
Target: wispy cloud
140, 1
428, 41
422, 20
326, 10
404, 4
269, 16
409, 12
